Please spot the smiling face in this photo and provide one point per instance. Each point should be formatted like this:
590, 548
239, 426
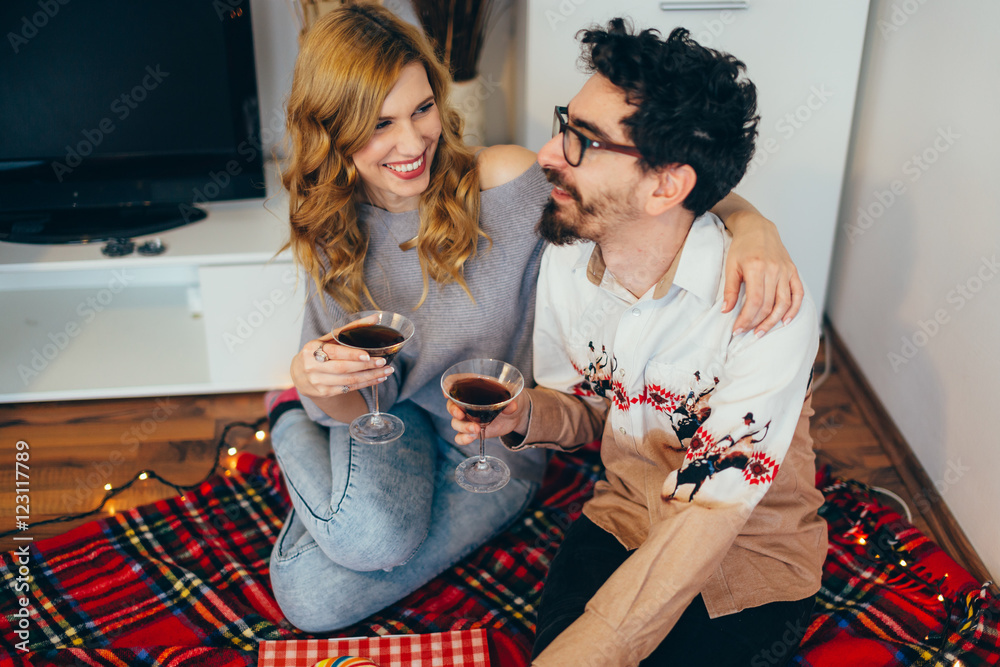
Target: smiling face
395, 164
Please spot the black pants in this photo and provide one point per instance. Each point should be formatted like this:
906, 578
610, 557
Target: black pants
763, 636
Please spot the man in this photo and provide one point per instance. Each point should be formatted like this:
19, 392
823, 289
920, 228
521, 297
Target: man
702, 546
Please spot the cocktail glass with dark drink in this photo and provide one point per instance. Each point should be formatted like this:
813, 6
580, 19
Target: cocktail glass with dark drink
482, 388
380, 334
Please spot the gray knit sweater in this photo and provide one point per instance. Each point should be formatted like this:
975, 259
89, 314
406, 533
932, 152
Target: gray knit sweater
449, 326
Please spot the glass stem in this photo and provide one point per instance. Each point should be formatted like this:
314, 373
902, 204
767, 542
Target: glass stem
482, 445
376, 416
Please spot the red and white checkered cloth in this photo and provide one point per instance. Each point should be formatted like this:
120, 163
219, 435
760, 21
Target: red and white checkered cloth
461, 648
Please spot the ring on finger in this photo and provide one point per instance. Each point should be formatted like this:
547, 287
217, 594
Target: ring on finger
320, 355
344, 389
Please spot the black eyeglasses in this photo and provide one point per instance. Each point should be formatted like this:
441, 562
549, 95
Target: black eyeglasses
575, 143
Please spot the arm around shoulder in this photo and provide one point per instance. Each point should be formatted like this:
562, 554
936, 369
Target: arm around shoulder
502, 164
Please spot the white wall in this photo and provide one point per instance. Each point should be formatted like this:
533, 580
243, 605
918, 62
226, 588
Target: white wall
275, 36
914, 287
497, 75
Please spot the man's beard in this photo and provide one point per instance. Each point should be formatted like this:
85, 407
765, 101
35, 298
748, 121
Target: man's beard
553, 229
566, 225
551, 226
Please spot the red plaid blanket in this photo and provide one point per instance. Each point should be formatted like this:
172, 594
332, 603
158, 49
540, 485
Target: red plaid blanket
891, 596
184, 582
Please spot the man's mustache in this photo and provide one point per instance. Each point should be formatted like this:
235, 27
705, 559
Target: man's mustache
556, 179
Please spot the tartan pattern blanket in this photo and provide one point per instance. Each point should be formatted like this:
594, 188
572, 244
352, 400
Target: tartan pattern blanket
184, 582
891, 596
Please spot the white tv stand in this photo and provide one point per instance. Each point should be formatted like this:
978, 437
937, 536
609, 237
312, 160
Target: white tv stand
217, 312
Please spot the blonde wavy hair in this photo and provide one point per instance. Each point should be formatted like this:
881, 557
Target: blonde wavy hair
348, 63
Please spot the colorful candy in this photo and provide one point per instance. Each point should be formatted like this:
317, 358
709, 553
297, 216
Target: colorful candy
345, 661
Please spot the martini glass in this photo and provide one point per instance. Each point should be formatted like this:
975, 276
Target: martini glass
380, 334
482, 388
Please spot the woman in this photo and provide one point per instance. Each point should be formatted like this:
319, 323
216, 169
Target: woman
390, 208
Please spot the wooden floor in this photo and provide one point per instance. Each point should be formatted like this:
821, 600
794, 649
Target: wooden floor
845, 439
78, 447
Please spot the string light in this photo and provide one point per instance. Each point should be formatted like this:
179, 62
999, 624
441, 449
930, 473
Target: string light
110, 492
260, 435
231, 451
891, 546
888, 543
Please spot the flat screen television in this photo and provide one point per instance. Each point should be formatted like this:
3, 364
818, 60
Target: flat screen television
119, 117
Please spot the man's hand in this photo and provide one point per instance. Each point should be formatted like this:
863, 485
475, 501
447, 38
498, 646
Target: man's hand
513, 418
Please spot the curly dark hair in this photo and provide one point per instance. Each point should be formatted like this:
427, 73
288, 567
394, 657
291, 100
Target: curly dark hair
692, 106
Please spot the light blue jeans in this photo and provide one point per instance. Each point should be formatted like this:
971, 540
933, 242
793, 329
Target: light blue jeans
370, 524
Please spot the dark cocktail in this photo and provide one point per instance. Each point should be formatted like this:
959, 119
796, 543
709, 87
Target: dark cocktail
380, 334
379, 340
482, 388
483, 397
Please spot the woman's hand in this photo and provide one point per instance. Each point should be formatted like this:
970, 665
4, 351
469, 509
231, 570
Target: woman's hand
513, 418
758, 258
332, 384
338, 370
347, 369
